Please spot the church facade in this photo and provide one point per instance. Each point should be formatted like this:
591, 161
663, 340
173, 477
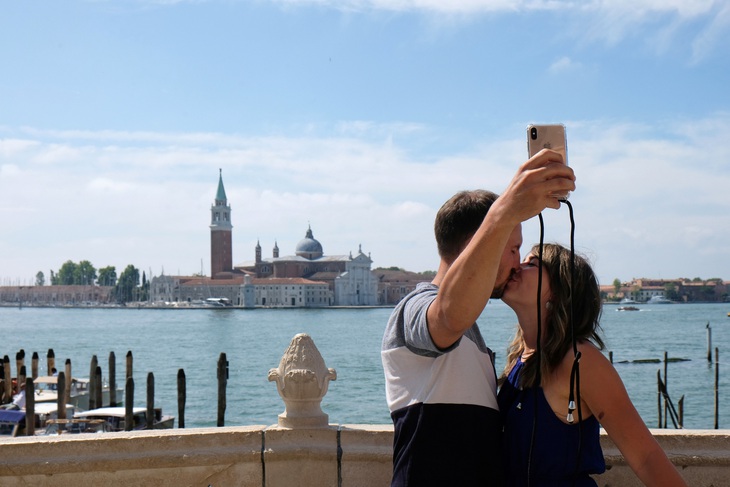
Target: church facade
308, 278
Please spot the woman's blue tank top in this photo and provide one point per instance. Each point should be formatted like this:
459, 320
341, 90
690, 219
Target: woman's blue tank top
556, 444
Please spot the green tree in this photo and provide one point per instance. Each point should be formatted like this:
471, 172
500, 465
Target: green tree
144, 294
616, 286
67, 273
54, 279
40, 279
670, 291
85, 273
126, 288
107, 276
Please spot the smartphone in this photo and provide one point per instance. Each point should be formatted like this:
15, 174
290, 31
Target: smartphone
550, 136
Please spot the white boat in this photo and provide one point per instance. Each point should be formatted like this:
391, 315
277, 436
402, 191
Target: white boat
659, 299
627, 301
46, 390
115, 417
218, 302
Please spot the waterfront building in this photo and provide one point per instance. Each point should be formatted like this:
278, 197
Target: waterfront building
309, 278
63, 295
679, 290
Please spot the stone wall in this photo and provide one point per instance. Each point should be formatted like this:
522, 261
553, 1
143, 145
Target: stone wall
260, 456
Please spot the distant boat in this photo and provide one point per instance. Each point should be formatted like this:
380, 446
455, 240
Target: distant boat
658, 300
218, 302
627, 308
627, 301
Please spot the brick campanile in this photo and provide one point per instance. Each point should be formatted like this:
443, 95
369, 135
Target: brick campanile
221, 230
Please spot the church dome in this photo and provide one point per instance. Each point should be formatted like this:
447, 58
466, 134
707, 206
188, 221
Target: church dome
309, 247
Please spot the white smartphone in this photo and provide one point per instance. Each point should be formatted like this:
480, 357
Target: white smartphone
549, 136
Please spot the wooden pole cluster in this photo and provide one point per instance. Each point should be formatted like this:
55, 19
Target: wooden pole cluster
65, 380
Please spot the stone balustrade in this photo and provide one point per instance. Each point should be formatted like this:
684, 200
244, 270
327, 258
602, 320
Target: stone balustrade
302, 450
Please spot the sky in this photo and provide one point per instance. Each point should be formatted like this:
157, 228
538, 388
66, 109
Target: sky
359, 118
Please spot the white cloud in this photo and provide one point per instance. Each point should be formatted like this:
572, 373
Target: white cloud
650, 198
563, 65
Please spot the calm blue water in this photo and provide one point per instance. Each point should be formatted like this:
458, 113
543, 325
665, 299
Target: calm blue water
163, 341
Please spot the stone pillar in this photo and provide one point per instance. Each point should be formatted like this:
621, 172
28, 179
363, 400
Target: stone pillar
302, 380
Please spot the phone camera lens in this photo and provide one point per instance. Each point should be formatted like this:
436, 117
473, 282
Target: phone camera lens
533, 133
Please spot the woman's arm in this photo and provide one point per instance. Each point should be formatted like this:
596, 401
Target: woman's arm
605, 395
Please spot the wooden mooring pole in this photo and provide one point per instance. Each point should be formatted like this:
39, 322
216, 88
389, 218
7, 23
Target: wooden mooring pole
98, 388
69, 378
681, 411
34, 366
2, 382
129, 365
92, 383
51, 361
19, 364
709, 343
666, 385
128, 404
8, 379
21, 377
61, 399
112, 379
659, 395
222, 381
181, 398
29, 406
717, 388
150, 400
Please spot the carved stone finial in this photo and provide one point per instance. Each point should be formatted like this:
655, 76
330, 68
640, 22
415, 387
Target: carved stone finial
302, 380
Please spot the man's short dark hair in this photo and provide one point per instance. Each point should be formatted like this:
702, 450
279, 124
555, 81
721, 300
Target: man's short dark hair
458, 220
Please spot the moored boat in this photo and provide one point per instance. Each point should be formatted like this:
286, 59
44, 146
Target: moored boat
116, 417
46, 390
659, 299
13, 422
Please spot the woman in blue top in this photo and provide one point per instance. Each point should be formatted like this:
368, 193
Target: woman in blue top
545, 442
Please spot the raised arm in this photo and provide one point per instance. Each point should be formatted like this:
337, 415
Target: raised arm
606, 396
466, 285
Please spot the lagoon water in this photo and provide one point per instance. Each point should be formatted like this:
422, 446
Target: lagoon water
164, 341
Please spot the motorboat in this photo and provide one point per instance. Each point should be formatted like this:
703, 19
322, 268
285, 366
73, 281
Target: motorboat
627, 308
218, 302
627, 301
659, 299
13, 422
46, 390
116, 416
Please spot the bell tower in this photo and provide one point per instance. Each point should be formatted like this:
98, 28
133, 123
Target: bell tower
221, 230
